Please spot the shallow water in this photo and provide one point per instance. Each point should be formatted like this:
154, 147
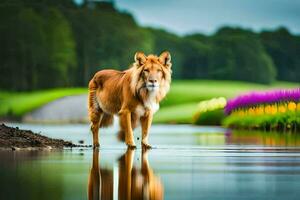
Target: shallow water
187, 162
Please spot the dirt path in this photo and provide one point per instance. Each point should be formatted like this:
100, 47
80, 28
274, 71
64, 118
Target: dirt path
71, 109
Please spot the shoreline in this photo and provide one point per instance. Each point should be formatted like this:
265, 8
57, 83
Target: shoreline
17, 139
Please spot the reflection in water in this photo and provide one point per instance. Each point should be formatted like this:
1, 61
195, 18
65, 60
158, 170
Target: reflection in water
246, 137
213, 165
126, 182
249, 137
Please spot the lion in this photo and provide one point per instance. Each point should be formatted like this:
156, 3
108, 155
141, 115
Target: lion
134, 95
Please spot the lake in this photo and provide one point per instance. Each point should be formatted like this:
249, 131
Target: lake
186, 162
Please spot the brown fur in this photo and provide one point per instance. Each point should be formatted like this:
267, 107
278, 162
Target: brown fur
133, 94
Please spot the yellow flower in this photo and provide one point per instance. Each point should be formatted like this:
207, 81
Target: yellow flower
251, 111
298, 106
292, 106
222, 102
212, 104
259, 110
273, 109
281, 109
268, 109
241, 113
256, 110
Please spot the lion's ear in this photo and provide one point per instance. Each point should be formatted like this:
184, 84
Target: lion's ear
165, 59
140, 58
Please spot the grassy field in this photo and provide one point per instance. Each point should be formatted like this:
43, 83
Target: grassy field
178, 107
176, 114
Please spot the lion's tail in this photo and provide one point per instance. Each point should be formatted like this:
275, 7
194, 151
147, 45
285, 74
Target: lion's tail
93, 106
121, 135
96, 114
106, 120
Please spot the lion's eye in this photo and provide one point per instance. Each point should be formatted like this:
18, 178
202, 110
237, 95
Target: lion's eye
146, 70
159, 70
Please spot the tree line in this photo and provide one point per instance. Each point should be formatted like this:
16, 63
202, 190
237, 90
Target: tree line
57, 43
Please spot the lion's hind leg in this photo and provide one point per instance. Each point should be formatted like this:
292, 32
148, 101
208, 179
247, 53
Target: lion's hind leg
95, 119
95, 113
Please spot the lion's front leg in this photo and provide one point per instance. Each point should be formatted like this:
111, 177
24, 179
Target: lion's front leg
125, 123
146, 122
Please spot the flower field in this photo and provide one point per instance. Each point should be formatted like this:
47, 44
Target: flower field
272, 110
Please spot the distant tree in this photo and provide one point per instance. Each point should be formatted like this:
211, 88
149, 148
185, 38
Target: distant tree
284, 49
239, 55
8, 41
23, 44
38, 48
57, 43
164, 40
60, 49
196, 59
32, 44
105, 38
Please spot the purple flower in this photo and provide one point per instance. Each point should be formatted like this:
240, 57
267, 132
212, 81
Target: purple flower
255, 98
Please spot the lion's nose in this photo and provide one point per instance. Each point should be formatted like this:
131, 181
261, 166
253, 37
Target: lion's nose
152, 81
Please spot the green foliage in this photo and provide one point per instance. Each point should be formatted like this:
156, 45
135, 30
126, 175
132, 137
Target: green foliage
280, 121
22, 42
242, 57
284, 49
37, 48
56, 43
211, 117
60, 49
105, 38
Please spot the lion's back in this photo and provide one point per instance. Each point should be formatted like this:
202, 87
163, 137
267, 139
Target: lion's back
104, 75
108, 86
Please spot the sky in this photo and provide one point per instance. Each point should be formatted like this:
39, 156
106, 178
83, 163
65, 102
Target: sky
206, 16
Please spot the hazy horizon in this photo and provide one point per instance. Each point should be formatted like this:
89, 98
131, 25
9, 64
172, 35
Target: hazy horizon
205, 17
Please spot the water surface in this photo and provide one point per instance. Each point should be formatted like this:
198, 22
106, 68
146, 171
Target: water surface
187, 162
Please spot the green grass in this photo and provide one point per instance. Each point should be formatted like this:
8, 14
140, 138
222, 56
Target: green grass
178, 106
181, 113
279, 121
17, 104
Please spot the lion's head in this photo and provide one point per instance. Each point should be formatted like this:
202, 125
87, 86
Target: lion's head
151, 74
